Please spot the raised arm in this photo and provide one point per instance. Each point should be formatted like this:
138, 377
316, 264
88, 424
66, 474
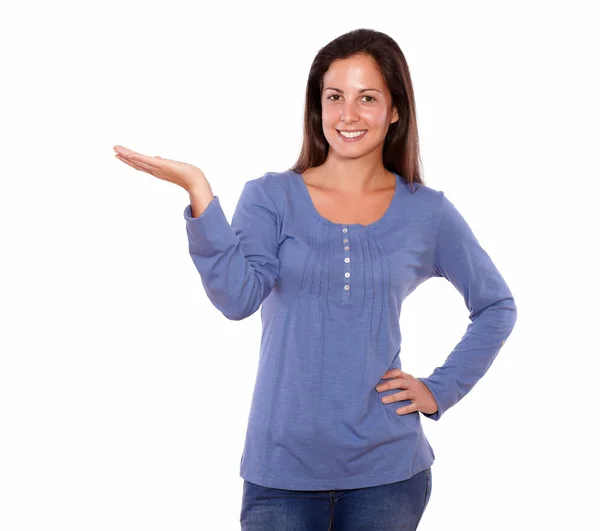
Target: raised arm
461, 260
237, 262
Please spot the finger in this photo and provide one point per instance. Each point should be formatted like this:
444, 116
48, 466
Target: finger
396, 383
129, 154
122, 158
155, 163
407, 409
398, 397
396, 373
124, 152
136, 165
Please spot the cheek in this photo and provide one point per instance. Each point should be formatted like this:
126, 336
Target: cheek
329, 121
377, 118
329, 117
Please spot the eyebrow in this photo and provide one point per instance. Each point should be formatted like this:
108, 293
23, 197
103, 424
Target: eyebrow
360, 91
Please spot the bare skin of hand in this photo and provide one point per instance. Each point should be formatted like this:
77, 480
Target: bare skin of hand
413, 389
180, 173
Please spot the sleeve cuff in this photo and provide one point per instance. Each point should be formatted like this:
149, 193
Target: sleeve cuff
214, 204
438, 413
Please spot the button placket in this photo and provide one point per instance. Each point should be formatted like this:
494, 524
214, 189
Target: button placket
346, 242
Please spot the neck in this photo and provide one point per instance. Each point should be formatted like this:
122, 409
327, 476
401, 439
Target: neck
356, 176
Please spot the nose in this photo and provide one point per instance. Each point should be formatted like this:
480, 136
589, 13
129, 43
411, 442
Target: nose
348, 112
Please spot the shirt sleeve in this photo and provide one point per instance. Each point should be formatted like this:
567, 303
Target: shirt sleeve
460, 259
237, 262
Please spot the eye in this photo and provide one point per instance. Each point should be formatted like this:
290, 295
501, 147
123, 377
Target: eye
372, 99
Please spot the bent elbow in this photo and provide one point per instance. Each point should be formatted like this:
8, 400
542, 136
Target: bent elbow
239, 313
235, 316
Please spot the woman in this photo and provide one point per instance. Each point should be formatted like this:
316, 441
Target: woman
329, 250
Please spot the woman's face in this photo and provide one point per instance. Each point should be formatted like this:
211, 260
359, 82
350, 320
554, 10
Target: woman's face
356, 98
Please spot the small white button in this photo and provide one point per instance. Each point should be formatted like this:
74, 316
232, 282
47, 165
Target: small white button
346, 287
502, 342
347, 275
344, 229
346, 248
346, 260
345, 240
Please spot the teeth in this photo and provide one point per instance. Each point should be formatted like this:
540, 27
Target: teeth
352, 135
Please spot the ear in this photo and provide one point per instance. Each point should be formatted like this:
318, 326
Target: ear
395, 115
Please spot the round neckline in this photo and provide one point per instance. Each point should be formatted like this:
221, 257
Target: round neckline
326, 221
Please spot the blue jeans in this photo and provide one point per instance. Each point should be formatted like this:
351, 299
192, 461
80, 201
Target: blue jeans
393, 507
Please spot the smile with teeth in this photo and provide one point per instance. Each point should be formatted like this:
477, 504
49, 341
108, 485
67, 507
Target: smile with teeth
354, 134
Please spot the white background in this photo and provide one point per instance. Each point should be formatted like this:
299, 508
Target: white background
124, 393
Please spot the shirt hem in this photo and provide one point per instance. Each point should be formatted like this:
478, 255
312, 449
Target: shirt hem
354, 482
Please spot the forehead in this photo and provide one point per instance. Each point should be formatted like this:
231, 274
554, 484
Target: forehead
356, 70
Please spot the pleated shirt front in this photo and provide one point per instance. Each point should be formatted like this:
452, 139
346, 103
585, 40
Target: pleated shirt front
330, 296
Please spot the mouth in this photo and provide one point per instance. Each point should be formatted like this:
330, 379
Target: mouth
351, 136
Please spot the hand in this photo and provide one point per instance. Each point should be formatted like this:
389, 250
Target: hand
415, 390
180, 173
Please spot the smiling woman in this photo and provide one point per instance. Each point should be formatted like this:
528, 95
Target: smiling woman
329, 250
357, 107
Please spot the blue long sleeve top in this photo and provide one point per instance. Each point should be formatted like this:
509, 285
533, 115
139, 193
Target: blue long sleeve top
330, 296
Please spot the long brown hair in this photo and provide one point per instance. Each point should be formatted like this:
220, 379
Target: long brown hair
401, 146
